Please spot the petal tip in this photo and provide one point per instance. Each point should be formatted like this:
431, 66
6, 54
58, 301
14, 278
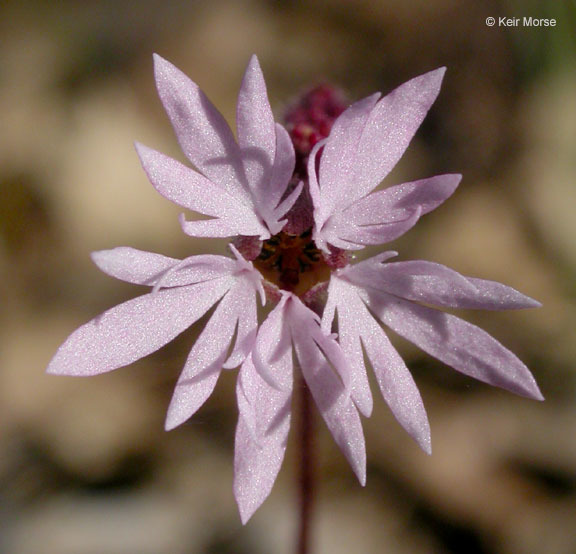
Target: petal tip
530, 390
52, 369
171, 422
426, 446
253, 62
159, 61
439, 72
245, 509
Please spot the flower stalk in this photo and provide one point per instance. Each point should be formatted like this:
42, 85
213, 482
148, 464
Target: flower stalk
295, 203
306, 468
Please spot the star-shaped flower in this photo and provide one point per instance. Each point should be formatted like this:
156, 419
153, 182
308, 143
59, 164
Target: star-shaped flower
248, 188
364, 145
240, 185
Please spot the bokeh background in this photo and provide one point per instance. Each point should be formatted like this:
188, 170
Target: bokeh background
85, 466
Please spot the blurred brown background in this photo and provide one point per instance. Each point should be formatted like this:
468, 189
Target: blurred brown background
85, 466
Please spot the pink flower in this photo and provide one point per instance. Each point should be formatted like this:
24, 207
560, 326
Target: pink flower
241, 187
248, 190
365, 143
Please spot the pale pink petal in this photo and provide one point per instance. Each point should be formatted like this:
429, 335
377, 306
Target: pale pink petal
256, 128
282, 169
435, 284
207, 357
374, 261
272, 355
457, 343
349, 340
242, 309
202, 132
496, 296
146, 268
399, 201
396, 383
387, 214
190, 189
215, 228
337, 164
415, 280
287, 203
135, 329
261, 436
389, 129
338, 229
314, 185
320, 357
356, 328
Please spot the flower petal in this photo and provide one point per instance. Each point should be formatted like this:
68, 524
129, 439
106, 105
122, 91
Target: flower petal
242, 310
261, 437
337, 163
275, 224
356, 325
496, 296
147, 268
389, 129
202, 132
399, 201
282, 169
436, 284
190, 189
317, 353
349, 339
387, 214
215, 228
207, 357
272, 355
339, 228
256, 128
457, 343
135, 329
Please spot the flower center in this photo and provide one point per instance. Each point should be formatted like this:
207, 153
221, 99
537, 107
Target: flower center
292, 262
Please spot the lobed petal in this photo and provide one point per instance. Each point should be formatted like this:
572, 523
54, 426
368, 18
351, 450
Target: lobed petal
261, 436
389, 129
135, 329
318, 354
243, 311
455, 342
338, 161
438, 285
357, 327
202, 132
256, 128
492, 295
400, 201
220, 228
339, 229
189, 189
272, 355
282, 169
349, 340
387, 214
209, 353
147, 268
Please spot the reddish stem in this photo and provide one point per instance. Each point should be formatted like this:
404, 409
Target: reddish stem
306, 467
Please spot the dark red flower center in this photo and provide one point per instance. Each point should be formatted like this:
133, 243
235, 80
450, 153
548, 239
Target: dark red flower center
292, 262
